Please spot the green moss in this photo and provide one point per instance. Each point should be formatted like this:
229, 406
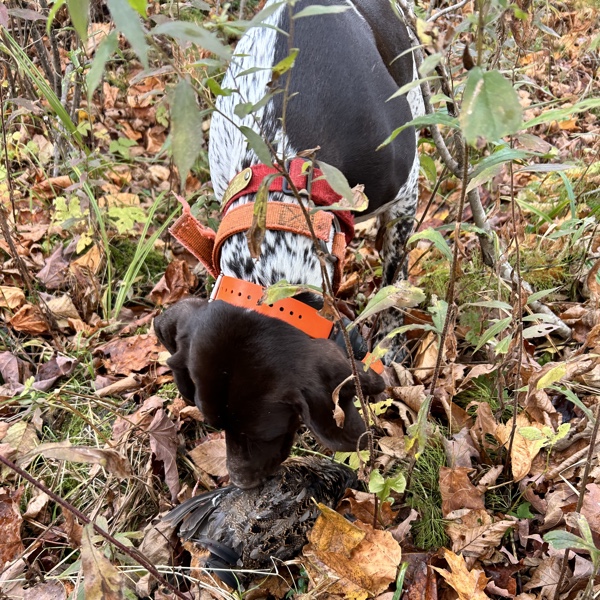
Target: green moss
123, 252
548, 265
423, 494
472, 284
485, 389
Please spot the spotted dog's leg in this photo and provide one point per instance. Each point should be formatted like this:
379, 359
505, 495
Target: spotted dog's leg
396, 225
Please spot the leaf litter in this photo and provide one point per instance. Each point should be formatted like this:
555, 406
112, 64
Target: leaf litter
88, 401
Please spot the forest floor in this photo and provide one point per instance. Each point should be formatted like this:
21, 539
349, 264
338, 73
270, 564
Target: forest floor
502, 477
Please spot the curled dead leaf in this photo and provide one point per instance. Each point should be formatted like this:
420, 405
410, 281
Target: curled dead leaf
457, 491
361, 506
107, 458
29, 319
338, 414
523, 451
364, 560
426, 357
101, 579
210, 456
11, 297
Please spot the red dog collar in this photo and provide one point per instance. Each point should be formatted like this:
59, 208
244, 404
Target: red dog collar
298, 314
321, 193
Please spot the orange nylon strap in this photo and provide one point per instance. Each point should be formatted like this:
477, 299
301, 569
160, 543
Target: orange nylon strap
196, 238
244, 294
247, 295
285, 217
205, 244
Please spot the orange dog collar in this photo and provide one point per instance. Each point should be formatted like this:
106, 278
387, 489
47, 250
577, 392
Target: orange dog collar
248, 295
245, 294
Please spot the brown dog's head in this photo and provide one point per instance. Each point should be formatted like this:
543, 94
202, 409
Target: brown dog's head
258, 378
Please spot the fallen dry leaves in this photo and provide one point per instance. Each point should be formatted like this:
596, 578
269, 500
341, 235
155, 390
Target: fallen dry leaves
101, 578
210, 456
363, 560
10, 526
523, 450
457, 490
71, 369
469, 585
474, 532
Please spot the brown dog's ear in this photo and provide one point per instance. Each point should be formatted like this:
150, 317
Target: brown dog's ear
174, 328
176, 321
330, 369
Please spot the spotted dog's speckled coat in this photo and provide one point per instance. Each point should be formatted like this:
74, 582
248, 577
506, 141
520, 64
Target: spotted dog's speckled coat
348, 67
253, 376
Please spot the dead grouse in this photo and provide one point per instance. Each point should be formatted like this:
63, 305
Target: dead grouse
246, 529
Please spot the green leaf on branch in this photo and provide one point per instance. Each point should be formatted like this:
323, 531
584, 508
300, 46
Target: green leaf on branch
128, 23
490, 107
52, 14
190, 32
402, 294
316, 10
562, 540
283, 289
434, 236
417, 433
140, 6
283, 66
337, 180
216, 88
434, 119
493, 331
258, 145
256, 234
79, 11
186, 128
560, 114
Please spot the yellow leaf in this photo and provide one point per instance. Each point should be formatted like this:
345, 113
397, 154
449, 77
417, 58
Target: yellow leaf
552, 376
101, 579
11, 297
523, 451
469, 585
362, 561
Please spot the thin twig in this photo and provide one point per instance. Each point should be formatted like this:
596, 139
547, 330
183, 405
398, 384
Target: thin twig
450, 292
447, 10
131, 552
584, 480
54, 53
518, 314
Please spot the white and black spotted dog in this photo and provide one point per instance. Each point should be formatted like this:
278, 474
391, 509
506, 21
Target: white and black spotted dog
255, 376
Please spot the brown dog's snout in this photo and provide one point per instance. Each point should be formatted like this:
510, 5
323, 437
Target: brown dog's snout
251, 462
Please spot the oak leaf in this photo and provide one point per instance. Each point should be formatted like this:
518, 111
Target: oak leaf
469, 585
457, 490
476, 534
523, 451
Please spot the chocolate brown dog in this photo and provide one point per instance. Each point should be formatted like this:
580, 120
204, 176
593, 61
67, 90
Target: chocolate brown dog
258, 379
